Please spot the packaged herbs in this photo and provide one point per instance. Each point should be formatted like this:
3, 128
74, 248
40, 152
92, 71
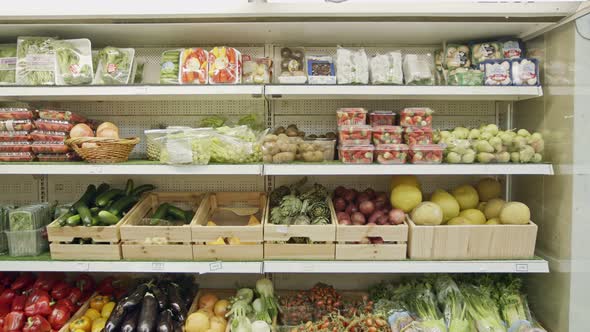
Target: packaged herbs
7, 64
35, 63
169, 67
31, 217
74, 62
114, 66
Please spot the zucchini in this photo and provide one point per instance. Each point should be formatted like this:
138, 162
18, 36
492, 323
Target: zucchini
86, 198
161, 211
95, 221
143, 188
123, 205
94, 210
85, 214
108, 218
189, 214
73, 220
129, 187
61, 220
104, 198
176, 213
102, 188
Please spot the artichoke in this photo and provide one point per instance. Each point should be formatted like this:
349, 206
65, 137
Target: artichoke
275, 216
301, 220
319, 209
320, 221
277, 195
291, 206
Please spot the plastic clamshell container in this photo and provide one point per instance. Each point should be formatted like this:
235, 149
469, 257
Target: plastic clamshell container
359, 154
27, 243
351, 116
417, 135
387, 135
426, 154
381, 118
355, 135
416, 117
391, 153
16, 156
327, 145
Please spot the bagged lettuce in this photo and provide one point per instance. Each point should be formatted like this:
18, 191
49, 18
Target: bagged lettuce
35, 61
114, 66
418, 69
7, 64
74, 62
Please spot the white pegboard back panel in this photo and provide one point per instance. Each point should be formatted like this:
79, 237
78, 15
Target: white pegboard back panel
67, 188
20, 189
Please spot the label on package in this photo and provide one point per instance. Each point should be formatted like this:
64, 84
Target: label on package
497, 73
40, 62
487, 50
8, 63
528, 70
511, 49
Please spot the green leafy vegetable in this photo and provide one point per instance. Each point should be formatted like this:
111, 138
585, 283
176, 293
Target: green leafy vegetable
7, 64
169, 67
114, 65
74, 61
35, 63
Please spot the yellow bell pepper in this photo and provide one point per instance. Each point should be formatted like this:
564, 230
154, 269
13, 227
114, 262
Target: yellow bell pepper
211, 223
97, 302
219, 241
234, 240
253, 221
92, 314
83, 323
107, 309
98, 324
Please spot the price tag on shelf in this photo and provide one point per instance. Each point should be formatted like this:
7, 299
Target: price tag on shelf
157, 266
82, 266
283, 229
215, 266
522, 267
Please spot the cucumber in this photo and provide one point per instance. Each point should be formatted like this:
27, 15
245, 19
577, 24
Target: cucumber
129, 187
85, 214
102, 188
86, 198
161, 211
108, 218
61, 220
123, 205
104, 198
189, 214
94, 210
95, 221
176, 213
143, 188
73, 220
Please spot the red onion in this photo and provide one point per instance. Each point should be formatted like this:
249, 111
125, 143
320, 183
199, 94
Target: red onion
379, 205
376, 240
367, 207
339, 204
375, 216
349, 195
362, 197
381, 196
344, 222
357, 218
339, 191
371, 193
396, 216
342, 215
383, 220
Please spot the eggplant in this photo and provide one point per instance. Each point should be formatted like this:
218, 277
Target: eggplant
176, 302
116, 317
130, 321
135, 298
160, 297
165, 321
148, 314
178, 326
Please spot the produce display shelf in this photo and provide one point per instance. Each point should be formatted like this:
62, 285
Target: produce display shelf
44, 263
138, 167
510, 93
130, 92
337, 168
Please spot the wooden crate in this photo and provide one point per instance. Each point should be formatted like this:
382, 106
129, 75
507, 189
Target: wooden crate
105, 244
472, 241
316, 233
179, 238
229, 225
79, 313
395, 249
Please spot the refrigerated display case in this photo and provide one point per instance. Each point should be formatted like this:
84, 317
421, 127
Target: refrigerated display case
556, 35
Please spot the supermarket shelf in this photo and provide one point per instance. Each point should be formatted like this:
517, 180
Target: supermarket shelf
501, 266
507, 266
402, 92
130, 92
376, 169
137, 168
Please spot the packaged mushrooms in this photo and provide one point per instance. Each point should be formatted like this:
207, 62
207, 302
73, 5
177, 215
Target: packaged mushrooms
481, 52
292, 66
352, 66
320, 69
525, 72
457, 56
497, 72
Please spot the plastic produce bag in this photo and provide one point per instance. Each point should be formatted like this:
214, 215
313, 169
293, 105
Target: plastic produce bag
256, 70
466, 77
497, 72
35, 63
7, 64
185, 146
418, 69
114, 66
320, 69
440, 71
387, 68
457, 56
169, 66
525, 72
236, 145
194, 66
74, 62
481, 52
398, 321
31, 217
352, 66
225, 66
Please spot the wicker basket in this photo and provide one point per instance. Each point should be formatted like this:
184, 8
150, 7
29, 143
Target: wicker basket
107, 150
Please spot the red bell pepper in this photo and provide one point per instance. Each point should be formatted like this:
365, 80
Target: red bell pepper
60, 290
106, 286
38, 303
18, 304
14, 321
4, 310
37, 324
8, 278
85, 297
67, 303
7, 296
85, 283
23, 281
59, 316
75, 295
44, 282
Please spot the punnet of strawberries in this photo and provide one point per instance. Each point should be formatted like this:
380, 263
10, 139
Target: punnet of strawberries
387, 135
416, 117
426, 154
391, 153
355, 134
356, 154
381, 118
351, 116
418, 135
